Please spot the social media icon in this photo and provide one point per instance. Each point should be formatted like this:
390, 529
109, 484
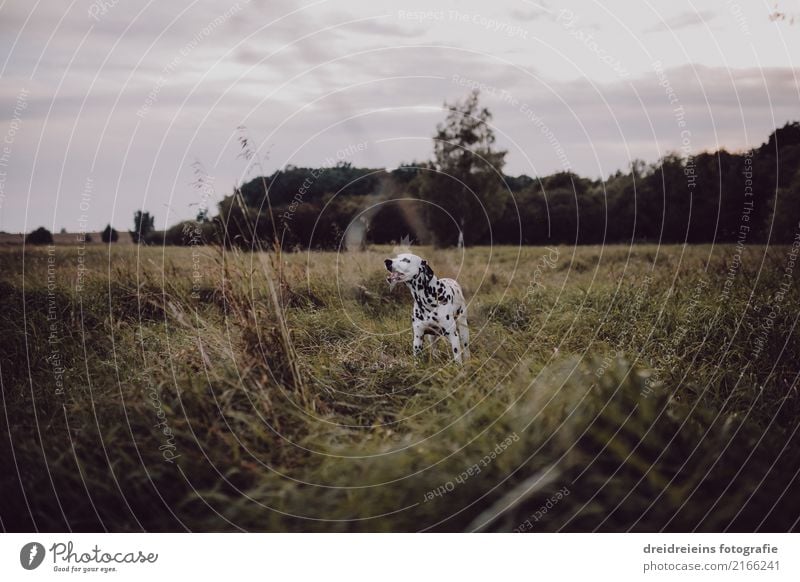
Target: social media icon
31, 555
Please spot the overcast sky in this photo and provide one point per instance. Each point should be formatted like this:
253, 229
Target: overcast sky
105, 105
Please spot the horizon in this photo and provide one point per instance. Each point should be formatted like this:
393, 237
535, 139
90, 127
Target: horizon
275, 171
113, 113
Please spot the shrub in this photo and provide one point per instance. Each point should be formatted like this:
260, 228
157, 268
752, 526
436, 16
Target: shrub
109, 234
40, 236
143, 224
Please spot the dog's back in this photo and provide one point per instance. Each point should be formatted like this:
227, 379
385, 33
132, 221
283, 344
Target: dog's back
455, 289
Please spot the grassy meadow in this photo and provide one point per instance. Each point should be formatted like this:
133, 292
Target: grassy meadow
611, 388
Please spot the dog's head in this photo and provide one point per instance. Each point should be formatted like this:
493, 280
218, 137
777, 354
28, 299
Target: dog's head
405, 267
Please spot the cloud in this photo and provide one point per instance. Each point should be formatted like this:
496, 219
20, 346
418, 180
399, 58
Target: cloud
375, 79
379, 27
532, 12
683, 20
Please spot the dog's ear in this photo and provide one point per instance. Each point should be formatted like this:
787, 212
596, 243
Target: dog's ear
426, 269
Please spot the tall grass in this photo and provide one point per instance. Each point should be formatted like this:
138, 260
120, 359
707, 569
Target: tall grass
292, 402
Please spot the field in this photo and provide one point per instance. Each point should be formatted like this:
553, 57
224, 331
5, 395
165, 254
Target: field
610, 388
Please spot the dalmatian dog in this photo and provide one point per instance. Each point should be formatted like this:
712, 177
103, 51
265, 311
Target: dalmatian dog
439, 306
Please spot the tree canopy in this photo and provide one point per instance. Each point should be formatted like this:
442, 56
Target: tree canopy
40, 236
712, 196
109, 235
465, 187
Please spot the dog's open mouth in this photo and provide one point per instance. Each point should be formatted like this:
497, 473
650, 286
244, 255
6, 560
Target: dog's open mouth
393, 278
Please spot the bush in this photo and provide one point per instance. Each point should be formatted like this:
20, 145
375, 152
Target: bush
109, 234
143, 225
40, 236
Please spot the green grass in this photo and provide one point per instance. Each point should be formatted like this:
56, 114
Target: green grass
292, 400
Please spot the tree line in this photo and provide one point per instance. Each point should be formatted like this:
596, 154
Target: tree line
748, 197
463, 196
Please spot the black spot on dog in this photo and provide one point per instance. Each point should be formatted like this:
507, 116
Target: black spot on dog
455, 350
447, 316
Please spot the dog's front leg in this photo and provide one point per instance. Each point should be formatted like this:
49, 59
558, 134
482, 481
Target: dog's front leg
455, 344
463, 335
417, 339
